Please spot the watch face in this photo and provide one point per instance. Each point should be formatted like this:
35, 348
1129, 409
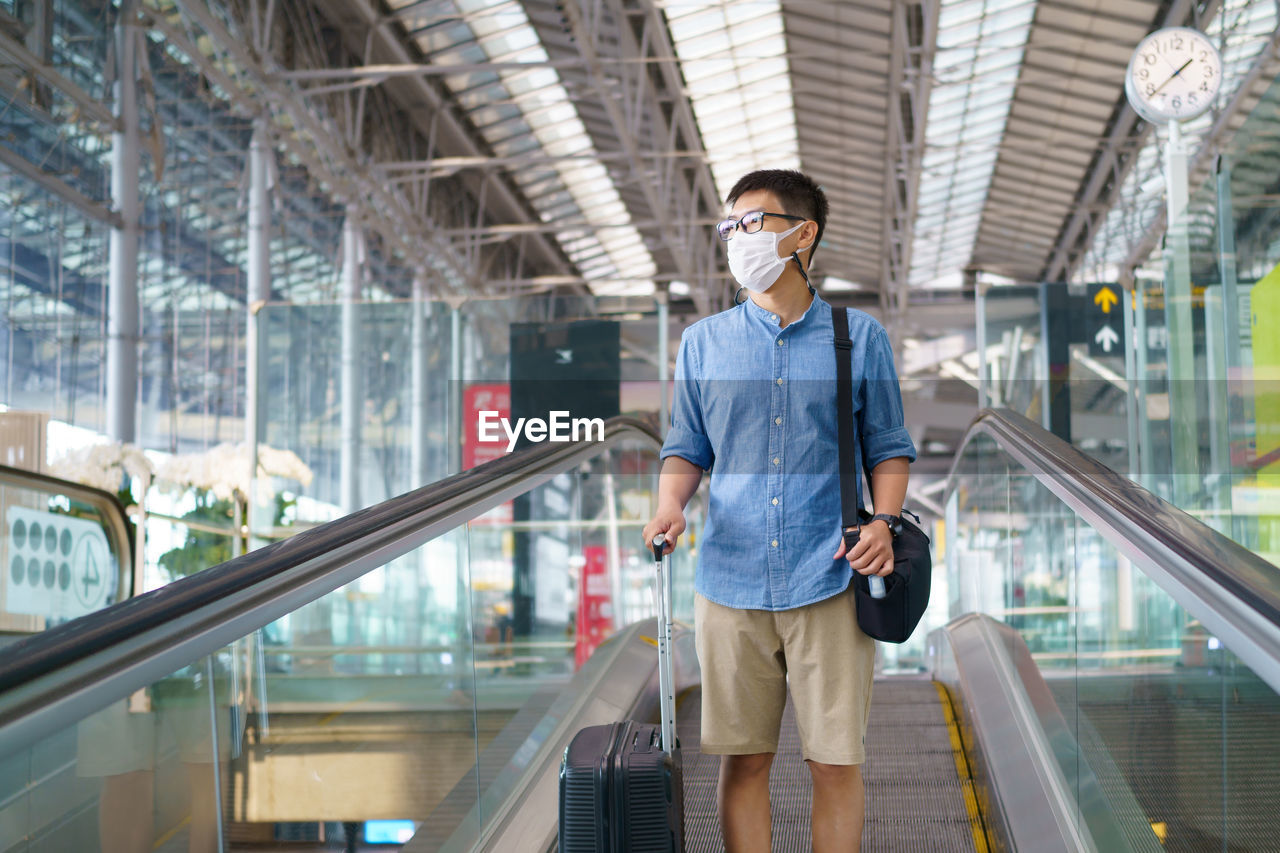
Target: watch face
1174, 74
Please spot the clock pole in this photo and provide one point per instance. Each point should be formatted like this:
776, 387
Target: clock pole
1183, 420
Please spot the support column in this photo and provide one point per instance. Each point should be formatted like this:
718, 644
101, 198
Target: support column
418, 473
259, 284
1183, 417
454, 431
122, 276
980, 312
1137, 392
352, 400
1055, 337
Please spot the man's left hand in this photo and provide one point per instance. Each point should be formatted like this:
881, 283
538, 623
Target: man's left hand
873, 555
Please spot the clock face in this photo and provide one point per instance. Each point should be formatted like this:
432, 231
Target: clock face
1174, 75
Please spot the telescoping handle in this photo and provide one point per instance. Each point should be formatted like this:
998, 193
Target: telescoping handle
666, 682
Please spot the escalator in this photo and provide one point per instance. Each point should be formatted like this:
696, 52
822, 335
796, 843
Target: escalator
1055, 713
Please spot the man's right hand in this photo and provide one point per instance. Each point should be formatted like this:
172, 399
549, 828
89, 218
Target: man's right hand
668, 522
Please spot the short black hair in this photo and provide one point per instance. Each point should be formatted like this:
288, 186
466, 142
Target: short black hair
798, 193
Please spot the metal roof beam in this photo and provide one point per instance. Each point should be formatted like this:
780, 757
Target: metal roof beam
913, 45
640, 99
443, 129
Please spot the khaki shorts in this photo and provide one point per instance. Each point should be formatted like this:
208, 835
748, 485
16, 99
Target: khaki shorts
748, 658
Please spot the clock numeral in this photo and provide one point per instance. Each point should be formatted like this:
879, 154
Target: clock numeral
1151, 89
1208, 71
1177, 42
1177, 103
1204, 56
1193, 98
1204, 87
1149, 58
1143, 73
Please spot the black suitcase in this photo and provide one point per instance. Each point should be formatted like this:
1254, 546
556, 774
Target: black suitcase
621, 789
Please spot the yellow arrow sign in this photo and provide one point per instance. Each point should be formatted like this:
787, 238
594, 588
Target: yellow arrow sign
1106, 299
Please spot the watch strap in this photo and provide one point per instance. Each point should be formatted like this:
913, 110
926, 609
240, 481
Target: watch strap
893, 521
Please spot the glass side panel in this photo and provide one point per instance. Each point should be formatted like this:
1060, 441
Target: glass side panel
65, 552
1173, 741
398, 706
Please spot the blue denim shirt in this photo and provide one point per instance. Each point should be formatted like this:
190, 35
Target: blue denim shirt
756, 404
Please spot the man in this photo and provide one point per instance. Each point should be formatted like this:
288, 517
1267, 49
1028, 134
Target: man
756, 396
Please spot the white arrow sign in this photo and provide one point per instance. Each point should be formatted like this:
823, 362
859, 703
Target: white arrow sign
1107, 338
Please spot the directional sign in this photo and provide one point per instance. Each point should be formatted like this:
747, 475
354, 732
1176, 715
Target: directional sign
1107, 338
59, 566
1104, 330
1106, 299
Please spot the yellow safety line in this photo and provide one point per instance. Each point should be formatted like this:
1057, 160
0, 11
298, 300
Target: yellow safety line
164, 839
976, 825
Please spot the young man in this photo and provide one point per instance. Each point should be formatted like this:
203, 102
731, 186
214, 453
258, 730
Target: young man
755, 396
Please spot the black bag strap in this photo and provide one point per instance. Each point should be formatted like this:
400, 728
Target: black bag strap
850, 516
844, 419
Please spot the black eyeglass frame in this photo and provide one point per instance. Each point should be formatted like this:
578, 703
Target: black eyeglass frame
726, 236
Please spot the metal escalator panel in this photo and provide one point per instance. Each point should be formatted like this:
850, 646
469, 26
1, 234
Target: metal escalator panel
1155, 638
357, 672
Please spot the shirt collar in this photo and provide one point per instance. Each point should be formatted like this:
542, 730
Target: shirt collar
771, 319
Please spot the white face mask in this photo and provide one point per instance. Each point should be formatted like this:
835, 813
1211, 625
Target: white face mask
754, 261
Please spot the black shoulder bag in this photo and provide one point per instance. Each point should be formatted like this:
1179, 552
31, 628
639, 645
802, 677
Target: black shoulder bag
890, 619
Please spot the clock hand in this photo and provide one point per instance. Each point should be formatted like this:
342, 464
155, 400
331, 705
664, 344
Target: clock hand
1175, 74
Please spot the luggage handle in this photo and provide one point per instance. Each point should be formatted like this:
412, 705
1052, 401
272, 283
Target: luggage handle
666, 682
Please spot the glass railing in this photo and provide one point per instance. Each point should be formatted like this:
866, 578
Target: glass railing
67, 550
362, 678
1158, 646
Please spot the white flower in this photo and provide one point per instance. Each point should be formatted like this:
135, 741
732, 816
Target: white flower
104, 466
224, 470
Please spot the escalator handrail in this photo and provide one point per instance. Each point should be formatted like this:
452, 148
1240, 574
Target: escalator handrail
1226, 579
166, 629
114, 516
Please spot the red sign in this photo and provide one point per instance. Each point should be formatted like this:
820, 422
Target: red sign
595, 603
489, 398
484, 398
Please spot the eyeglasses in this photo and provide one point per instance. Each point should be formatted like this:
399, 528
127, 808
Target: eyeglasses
750, 223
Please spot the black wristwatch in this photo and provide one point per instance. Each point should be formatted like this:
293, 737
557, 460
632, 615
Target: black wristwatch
893, 521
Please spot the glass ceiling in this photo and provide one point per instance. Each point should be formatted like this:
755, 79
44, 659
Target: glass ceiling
1241, 30
980, 49
733, 54
522, 111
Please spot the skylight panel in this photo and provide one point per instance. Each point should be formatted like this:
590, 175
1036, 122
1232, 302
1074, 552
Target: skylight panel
727, 50
981, 44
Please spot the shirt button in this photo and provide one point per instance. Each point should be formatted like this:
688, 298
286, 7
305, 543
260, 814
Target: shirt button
777, 420
775, 543
775, 317
776, 461
779, 380
780, 343
775, 501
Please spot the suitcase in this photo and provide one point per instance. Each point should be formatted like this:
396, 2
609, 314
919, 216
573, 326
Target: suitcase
622, 784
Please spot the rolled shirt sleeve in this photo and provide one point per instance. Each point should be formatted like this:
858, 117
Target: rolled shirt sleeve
880, 419
687, 437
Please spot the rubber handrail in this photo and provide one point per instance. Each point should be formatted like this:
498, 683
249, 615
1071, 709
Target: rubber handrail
39, 655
